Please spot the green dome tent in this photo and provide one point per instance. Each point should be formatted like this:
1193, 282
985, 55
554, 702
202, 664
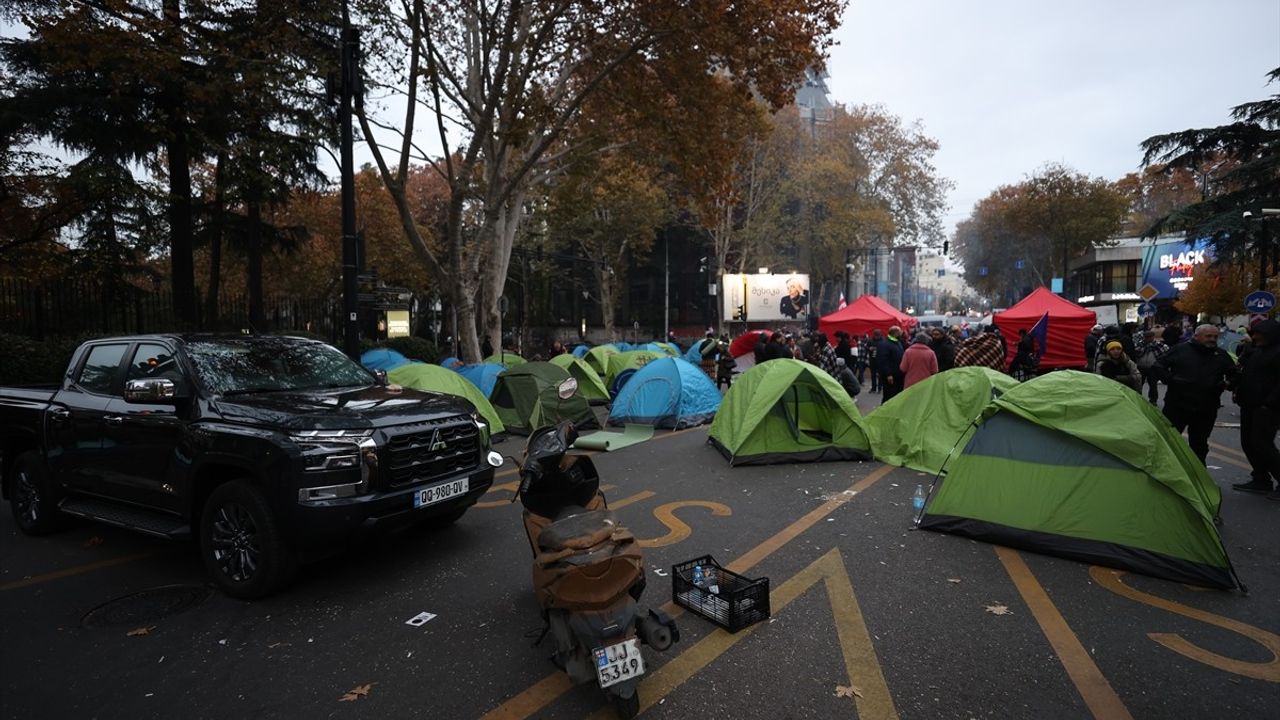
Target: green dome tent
630, 360
508, 359
421, 376
526, 399
787, 411
1077, 465
589, 382
598, 358
921, 426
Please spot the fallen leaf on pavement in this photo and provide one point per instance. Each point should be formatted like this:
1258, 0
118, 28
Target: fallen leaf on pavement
953, 580
999, 610
849, 691
140, 631
356, 693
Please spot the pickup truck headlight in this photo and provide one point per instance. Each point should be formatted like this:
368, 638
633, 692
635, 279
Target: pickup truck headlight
330, 449
336, 450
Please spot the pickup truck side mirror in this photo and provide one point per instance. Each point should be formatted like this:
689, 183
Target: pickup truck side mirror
151, 390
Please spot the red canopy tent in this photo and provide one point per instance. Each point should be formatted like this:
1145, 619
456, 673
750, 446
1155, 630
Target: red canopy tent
863, 315
745, 344
1059, 326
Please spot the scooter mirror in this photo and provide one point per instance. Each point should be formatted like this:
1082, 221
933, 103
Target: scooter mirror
567, 388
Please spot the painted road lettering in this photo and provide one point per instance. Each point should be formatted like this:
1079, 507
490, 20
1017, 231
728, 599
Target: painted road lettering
1269, 671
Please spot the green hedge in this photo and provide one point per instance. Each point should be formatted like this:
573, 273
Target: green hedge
27, 361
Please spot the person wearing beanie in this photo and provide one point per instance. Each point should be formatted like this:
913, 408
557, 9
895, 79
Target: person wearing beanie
1115, 364
844, 375
918, 362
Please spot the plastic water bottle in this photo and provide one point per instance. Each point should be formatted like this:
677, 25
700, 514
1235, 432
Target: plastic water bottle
698, 577
917, 500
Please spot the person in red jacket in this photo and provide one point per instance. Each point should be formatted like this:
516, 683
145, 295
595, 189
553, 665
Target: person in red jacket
918, 362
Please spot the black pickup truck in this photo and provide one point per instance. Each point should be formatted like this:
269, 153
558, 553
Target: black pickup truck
266, 449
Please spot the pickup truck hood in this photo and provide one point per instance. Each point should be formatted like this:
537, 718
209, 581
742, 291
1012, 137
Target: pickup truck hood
369, 407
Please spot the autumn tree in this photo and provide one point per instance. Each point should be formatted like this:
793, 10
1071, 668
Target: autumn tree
1044, 221
867, 179
504, 80
1217, 289
608, 210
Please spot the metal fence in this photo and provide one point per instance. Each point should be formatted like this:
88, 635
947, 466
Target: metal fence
84, 307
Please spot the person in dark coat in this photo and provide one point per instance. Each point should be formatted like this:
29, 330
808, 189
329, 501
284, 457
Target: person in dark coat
1024, 360
762, 348
844, 350
1196, 373
776, 349
868, 358
942, 346
888, 360
1172, 334
1091, 347
1258, 395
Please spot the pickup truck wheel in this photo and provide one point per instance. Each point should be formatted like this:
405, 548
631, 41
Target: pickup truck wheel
31, 498
240, 540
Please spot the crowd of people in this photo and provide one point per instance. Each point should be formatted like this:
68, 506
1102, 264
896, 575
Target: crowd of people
1188, 361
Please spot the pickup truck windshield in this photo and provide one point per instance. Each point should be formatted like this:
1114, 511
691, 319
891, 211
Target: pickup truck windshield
231, 367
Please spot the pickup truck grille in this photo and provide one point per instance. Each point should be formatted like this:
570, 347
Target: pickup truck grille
432, 452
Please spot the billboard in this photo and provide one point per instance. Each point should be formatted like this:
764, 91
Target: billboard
733, 297
778, 297
1171, 266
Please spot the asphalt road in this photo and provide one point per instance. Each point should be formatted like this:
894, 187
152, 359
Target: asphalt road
870, 618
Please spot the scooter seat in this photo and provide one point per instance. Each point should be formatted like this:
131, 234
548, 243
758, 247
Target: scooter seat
578, 531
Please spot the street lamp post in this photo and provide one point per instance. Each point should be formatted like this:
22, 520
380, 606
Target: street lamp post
350, 250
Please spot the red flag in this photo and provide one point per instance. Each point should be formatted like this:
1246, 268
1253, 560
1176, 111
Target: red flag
843, 304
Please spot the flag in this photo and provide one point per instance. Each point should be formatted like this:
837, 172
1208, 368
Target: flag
843, 304
1040, 334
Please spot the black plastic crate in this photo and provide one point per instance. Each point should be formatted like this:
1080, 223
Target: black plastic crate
740, 601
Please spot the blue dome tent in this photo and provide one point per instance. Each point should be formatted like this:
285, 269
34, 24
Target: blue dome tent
451, 363
383, 359
667, 393
482, 375
581, 351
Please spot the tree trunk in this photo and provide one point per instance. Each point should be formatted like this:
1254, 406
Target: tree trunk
606, 302
182, 265
253, 249
218, 223
502, 234
463, 297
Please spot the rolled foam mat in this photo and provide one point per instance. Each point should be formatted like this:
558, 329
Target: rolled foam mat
609, 441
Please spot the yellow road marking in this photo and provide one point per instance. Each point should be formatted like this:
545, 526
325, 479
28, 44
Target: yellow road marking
643, 495
1230, 460
678, 530
545, 691
1228, 450
1098, 695
1269, 671
855, 643
77, 570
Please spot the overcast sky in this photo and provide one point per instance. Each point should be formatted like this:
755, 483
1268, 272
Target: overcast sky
1008, 85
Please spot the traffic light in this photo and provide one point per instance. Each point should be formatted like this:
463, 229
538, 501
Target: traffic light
740, 313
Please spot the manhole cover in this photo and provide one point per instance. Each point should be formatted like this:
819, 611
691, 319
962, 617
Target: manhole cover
145, 606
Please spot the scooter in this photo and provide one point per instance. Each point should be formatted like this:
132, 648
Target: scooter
588, 572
